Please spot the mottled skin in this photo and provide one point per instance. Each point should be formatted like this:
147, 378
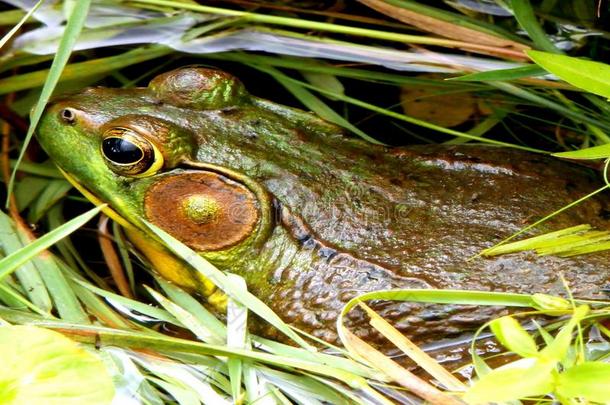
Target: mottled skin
336, 216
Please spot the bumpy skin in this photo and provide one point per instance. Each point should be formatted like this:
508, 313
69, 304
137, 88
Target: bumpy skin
337, 216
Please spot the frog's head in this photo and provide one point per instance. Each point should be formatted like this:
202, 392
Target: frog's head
183, 153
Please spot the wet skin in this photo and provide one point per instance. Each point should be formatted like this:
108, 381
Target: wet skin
311, 217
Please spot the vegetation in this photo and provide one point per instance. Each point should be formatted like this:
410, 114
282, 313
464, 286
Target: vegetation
157, 343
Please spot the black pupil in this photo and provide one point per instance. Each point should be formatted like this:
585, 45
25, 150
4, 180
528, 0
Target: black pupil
121, 151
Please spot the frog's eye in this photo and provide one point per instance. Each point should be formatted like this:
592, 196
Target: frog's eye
129, 154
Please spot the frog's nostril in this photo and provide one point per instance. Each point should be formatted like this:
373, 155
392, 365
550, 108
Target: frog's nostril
68, 115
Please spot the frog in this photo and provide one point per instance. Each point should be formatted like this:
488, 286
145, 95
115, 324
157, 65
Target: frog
312, 216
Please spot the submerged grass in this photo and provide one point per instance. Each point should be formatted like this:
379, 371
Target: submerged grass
219, 361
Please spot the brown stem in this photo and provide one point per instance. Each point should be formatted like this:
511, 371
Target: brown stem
112, 258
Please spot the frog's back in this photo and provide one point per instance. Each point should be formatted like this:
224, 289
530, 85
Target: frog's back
383, 218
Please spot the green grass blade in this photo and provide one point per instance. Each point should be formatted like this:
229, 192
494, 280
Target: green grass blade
227, 285
16, 28
53, 192
16, 259
314, 103
414, 121
237, 336
502, 74
38, 169
194, 307
161, 343
185, 318
150, 311
524, 13
75, 23
577, 116
28, 275
83, 69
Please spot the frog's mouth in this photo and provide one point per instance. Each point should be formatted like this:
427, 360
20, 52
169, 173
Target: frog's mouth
112, 214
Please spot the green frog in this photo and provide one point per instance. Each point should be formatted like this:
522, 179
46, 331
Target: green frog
312, 217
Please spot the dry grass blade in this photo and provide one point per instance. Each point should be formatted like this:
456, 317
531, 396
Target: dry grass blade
416, 354
473, 40
112, 258
397, 373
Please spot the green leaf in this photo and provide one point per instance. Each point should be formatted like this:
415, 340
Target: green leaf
524, 13
590, 381
516, 380
502, 74
512, 336
591, 76
558, 348
40, 366
547, 302
595, 152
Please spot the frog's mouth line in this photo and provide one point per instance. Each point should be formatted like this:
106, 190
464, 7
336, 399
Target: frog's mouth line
112, 214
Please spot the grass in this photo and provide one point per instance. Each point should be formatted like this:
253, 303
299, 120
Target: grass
336, 54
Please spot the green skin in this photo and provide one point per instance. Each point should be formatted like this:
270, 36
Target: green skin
343, 217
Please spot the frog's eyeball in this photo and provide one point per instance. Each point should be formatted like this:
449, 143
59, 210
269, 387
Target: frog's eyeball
129, 154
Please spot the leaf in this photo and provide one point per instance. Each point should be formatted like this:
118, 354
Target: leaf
360, 349
595, 152
40, 366
547, 302
566, 242
558, 348
437, 107
501, 74
590, 381
53, 192
591, 76
512, 336
420, 357
237, 336
449, 25
526, 18
511, 383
